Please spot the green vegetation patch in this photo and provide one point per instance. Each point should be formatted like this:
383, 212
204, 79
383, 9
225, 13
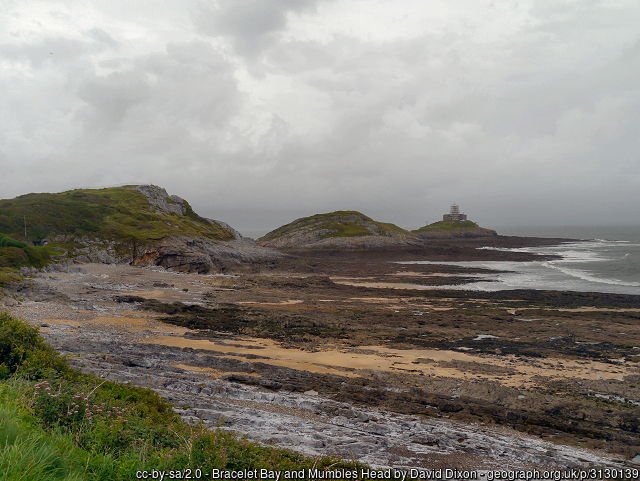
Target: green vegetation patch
14, 253
30, 454
117, 213
22, 348
342, 223
449, 225
7, 277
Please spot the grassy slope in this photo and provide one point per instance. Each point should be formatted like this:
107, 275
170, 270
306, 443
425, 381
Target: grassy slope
334, 222
449, 226
15, 254
116, 213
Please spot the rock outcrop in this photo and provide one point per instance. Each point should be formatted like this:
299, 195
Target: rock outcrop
313, 424
161, 200
189, 254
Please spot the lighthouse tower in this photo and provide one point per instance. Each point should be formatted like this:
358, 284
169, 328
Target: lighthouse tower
454, 214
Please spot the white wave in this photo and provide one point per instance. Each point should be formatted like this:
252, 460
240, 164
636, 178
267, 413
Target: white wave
582, 256
585, 276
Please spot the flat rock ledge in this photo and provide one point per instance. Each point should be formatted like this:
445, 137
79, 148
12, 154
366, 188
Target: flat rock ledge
308, 422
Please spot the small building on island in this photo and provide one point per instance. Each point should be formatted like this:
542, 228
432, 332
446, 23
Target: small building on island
454, 214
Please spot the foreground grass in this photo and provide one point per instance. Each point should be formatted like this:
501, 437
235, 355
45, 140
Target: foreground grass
28, 453
56, 423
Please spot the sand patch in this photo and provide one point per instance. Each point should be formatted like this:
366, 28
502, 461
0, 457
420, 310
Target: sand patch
422, 274
385, 285
508, 371
167, 294
400, 303
288, 302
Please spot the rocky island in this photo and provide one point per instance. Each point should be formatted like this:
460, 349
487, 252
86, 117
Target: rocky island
317, 339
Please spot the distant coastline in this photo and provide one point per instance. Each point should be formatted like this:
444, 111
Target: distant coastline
614, 232
606, 260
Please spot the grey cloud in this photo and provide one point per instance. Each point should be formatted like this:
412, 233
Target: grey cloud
111, 97
509, 126
101, 36
191, 82
251, 24
53, 50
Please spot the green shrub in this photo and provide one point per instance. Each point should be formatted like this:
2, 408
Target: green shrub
23, 349
6, 241
38, 256
14, 253
6, 277
13, 257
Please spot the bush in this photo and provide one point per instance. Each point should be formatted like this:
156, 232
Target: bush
13, 257
23, 349
6, 277
6, 241
14, 253
38, 256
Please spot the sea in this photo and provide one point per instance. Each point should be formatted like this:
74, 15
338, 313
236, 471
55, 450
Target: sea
605, 259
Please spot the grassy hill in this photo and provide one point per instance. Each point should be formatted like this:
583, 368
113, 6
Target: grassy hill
333, 225
118, 219
113, 213
453, 228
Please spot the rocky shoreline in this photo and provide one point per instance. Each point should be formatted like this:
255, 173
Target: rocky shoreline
393, 377
308, 422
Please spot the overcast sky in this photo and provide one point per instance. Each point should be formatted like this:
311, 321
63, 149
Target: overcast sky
262, 111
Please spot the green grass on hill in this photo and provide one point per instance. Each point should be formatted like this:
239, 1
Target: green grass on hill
339, 223
114, 213
7, 277
14, 254
56, 423
448, 225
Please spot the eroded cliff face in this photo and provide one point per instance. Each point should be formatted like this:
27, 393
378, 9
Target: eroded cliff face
181, 253
186, 254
